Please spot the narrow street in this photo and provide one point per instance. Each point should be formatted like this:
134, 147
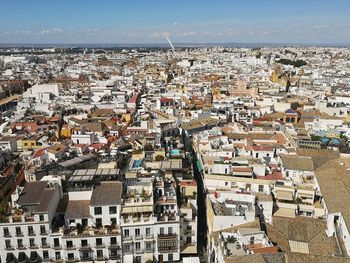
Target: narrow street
202, 213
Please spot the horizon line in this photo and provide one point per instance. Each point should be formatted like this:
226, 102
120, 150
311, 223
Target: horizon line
183, 44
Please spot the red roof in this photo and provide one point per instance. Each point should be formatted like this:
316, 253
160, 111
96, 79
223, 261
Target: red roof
188, 183
242, 169
273, 176
166, 100
79, 145
98, 146
133, 99
263, 250
39, 153
262, 148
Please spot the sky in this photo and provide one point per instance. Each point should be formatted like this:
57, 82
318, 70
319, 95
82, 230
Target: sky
183, 21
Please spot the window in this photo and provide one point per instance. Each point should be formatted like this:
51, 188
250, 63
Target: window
84, 243
8, 244
18, 231
261, 188
6, 232
137, 232
20, 243
113, 240
70, 256
126, 232
113, 221
138, 246
58, 255
56, 242
42, 230
30, 230
148, 231
99, 253
31, 242
69, 244
98, 222
148, 246
226, 183
170, 230
41, 218
166, 245
43, 242
45, 254
98, 210
127, 248
98, 241
84, 222
114, 254
170, 257
112, 209
161, 230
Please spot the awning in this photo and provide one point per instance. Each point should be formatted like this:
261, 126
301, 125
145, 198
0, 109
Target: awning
137, 209
22, 257
305, 195
199, 165
190, 249
34, 257
284, 195
306, 208
85, 249
285, 212
10, 258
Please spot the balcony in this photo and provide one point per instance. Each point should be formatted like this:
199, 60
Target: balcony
167, 236
149, 236
72, 247
85, 247
90, 231
139, 251
167, 249
31, 233
10, 248
57, 246
45, 246
89, 258
73, 260
102, 245
33, 246
115, 257
114, 245
149, 250
127, 238
102, 258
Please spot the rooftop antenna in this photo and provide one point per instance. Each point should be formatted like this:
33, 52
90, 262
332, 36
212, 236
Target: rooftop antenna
172, 47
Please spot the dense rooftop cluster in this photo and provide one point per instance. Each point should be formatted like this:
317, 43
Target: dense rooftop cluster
211, 154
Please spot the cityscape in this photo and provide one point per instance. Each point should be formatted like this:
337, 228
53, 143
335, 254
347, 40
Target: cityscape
145, 132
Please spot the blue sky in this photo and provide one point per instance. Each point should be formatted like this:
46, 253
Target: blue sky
148, 21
